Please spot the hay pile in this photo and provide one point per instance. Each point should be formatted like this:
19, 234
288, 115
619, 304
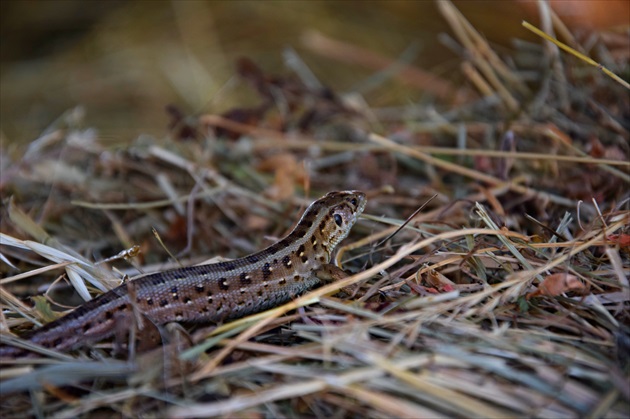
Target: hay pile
507, 295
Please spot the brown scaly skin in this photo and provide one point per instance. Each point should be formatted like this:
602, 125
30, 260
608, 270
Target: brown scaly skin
217, 292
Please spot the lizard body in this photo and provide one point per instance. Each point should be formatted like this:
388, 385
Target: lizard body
215, 292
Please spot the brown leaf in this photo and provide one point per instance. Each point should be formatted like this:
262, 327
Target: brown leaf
249, 71
253, 222
182, 127
597, 149
244, 116
623, 240
439, 281
557, 284
288, 171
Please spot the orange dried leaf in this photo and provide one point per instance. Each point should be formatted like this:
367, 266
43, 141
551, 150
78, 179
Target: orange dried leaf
255, 222
439, 281
623, 240
556, 133
557, 284
288, 172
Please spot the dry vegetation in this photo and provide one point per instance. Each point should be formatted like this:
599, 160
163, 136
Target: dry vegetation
506, 296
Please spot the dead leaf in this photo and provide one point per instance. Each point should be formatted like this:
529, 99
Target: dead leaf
288, 172
557, 284
439, 281
255, 222
623, 240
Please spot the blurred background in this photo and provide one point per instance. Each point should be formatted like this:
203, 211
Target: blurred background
124, 61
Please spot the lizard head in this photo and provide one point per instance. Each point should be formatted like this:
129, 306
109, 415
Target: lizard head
332, 216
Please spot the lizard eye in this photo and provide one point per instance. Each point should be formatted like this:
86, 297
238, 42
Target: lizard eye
338, 219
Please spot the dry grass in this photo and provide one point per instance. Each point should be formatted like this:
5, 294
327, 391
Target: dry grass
508, 296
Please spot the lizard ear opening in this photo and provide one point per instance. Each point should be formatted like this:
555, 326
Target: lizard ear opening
338, 220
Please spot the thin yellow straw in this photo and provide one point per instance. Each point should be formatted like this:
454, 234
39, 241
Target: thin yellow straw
577, 54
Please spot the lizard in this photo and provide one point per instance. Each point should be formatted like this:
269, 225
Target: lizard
216, 292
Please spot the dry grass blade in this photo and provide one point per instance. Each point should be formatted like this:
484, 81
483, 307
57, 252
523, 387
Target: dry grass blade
578, 54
